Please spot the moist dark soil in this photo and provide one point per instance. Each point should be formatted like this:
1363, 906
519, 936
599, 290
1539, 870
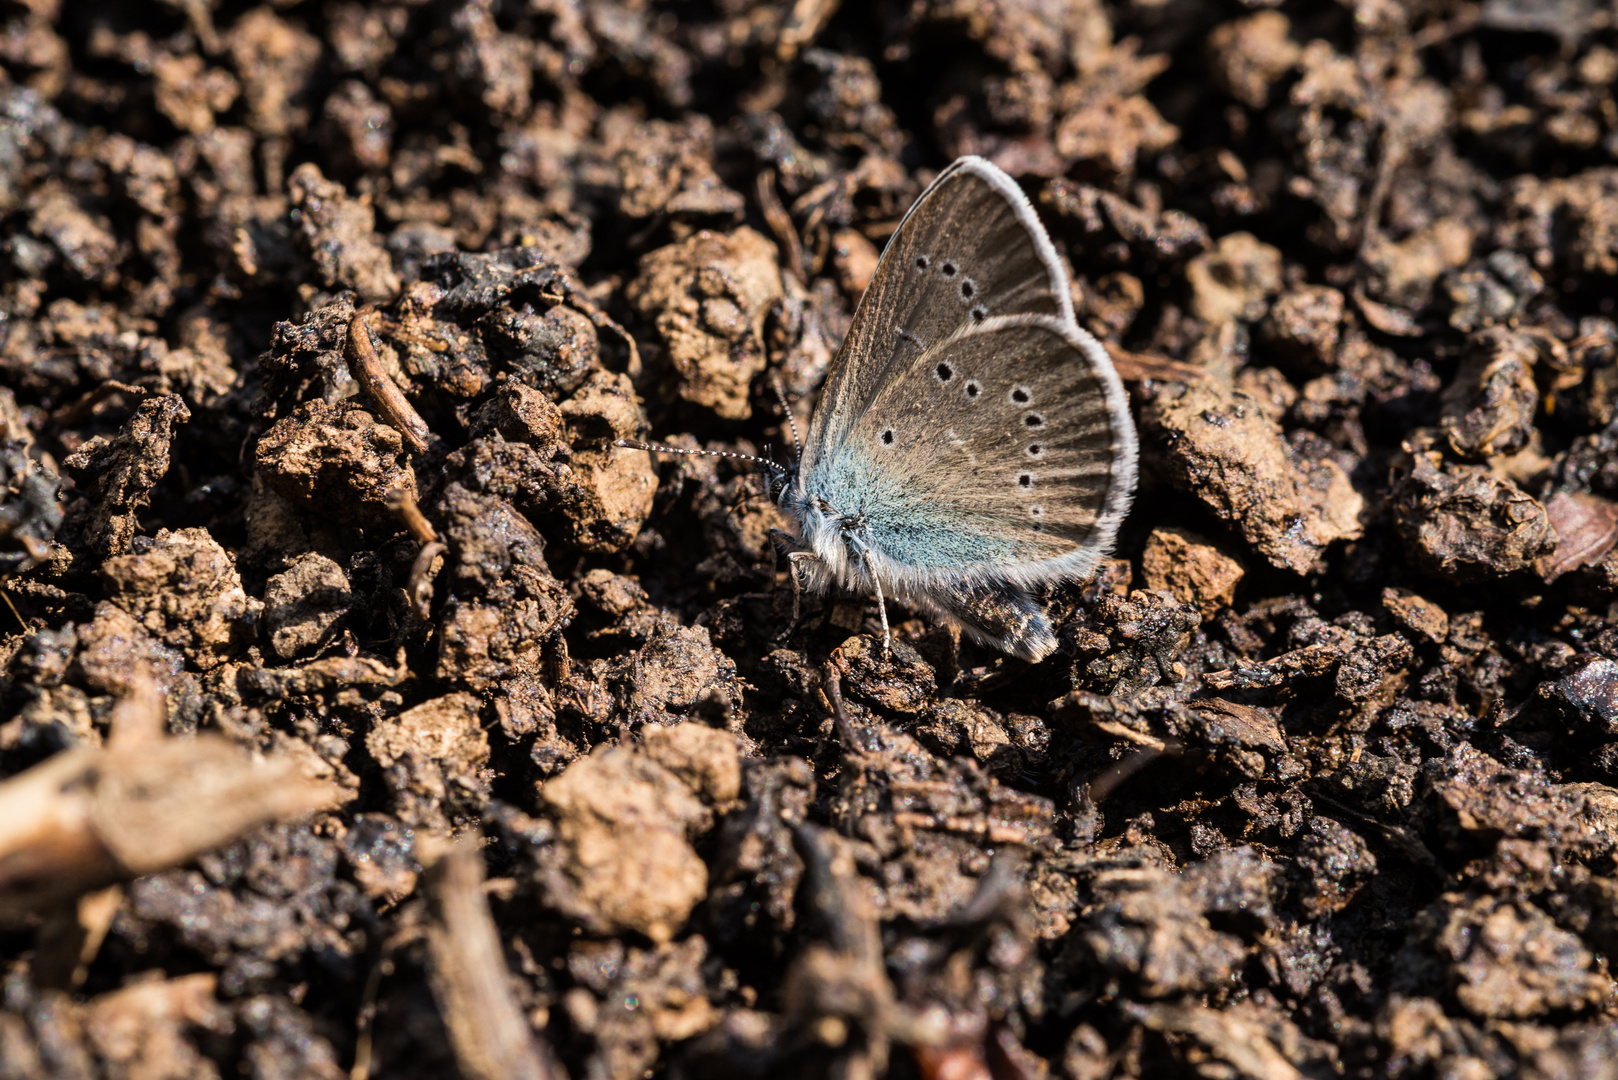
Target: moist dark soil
366, 712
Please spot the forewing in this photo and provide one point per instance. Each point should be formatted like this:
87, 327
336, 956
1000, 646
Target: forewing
1004, 453
970, 249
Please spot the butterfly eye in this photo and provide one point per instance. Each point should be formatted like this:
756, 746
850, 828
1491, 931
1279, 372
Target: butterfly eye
972, 388
887, 437
944, 372
923, 262
1034, 420
1020, 396
949, 268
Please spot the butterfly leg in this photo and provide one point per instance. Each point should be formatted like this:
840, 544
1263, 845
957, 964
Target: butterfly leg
881, 607
795, 554
797, 589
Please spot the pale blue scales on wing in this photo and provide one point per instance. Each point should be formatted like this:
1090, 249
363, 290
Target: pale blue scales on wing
905, 523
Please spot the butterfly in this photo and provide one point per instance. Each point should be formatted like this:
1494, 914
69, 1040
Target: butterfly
972, 443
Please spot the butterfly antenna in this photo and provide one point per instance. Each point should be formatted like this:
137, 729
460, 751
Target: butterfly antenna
659, 448
792, 421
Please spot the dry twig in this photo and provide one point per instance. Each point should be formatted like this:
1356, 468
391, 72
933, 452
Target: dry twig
487, 1028
89, 817
366, 367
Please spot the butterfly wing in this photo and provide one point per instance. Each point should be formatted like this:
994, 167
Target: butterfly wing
970, 249
1006, 616
1004, 454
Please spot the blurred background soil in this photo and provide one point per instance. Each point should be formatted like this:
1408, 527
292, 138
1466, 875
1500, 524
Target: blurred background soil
319, 319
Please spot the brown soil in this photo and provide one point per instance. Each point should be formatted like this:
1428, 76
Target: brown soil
366, 712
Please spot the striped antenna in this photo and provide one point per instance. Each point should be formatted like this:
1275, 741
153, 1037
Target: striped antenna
659, 448
792, 421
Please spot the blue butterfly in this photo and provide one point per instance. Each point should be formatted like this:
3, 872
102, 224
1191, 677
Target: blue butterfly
972, 442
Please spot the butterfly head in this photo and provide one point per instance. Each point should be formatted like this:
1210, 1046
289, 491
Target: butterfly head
780, 480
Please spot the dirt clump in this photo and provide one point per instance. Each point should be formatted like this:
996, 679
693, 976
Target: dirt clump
622, 817
1193, 570
708, 298
1223, 447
